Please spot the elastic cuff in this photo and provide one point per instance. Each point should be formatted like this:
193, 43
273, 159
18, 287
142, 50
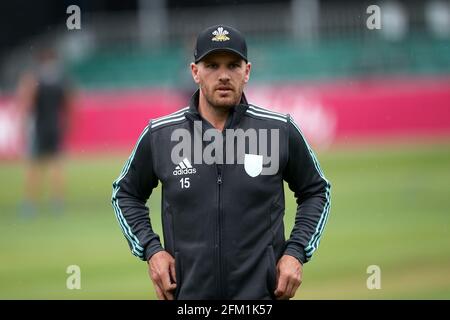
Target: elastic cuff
151, 249
296, 253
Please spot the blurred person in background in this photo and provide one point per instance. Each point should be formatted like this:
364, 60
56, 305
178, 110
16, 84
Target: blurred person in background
45, 100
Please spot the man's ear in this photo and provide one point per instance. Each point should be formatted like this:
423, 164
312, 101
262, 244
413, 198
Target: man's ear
194, 71
248, 67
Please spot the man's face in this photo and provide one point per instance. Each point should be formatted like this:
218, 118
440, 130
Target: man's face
221, 77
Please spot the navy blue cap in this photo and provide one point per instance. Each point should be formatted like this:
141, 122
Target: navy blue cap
220, 38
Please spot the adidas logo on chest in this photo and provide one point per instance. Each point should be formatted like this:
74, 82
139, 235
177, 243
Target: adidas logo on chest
184, 167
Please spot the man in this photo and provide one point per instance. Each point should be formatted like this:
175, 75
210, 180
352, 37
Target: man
45, 99
222, 219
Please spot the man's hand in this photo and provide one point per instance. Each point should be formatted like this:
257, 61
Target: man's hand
161, 268
289, 277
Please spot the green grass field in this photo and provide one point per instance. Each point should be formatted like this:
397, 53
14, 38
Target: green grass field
390, 207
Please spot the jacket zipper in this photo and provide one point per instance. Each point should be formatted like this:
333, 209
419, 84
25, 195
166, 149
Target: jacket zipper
218, 237
219, 230
222, 290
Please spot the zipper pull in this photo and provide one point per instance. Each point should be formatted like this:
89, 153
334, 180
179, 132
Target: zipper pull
219, 179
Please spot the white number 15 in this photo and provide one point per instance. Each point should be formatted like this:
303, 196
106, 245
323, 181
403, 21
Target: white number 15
185, 183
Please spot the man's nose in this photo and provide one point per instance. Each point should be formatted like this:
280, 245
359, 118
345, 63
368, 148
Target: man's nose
224, 76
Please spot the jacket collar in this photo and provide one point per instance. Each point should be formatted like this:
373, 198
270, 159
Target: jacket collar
236, 112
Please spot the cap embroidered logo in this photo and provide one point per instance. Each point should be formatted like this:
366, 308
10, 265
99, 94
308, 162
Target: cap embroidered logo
220, 34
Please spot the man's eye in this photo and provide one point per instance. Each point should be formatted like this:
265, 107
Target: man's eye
211, 65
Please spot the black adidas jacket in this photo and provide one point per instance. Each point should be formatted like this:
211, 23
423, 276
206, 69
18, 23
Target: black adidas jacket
224, 227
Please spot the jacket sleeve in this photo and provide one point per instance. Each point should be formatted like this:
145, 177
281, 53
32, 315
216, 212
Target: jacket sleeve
130, 193
312, 192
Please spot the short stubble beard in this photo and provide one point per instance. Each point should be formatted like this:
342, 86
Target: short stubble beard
210, 99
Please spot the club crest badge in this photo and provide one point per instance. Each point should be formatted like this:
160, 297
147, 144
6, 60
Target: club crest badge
220, 34
253, 164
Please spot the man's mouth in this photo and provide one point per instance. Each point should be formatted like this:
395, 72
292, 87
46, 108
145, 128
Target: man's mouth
224, 89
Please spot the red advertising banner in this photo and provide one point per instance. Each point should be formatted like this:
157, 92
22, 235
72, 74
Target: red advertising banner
114, 120
326, 113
